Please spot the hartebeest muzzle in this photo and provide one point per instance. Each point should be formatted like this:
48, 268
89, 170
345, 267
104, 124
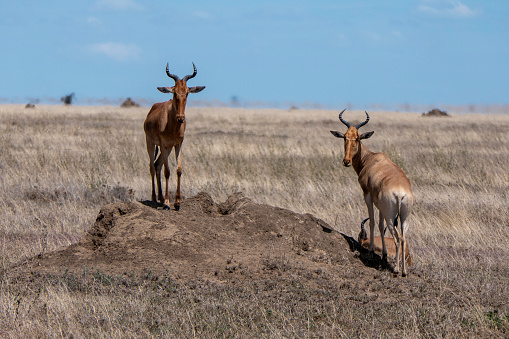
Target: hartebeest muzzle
181, 117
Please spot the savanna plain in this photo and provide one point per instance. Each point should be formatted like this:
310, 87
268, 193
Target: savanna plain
60, 165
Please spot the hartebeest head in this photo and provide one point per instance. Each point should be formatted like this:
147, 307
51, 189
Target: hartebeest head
352, 138
180, 92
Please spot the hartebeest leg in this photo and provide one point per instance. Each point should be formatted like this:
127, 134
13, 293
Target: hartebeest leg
404, 213
158, 166
165, 152
396, 234
179, 173
371, 213
382, 235
403, 259
151, 155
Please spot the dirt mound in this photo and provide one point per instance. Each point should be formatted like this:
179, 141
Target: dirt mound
129, 103
435, 112
225, 263
204, 240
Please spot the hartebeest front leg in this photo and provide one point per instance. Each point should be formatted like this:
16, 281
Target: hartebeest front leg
179, 173
151, 155
158, 165
371, 213
165, 152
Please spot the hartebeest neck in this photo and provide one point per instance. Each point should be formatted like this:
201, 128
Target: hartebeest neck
359, 159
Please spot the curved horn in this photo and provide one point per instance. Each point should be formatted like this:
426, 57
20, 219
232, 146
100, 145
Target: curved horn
173, 76
343, 121
187, 77
360, 124
363, 222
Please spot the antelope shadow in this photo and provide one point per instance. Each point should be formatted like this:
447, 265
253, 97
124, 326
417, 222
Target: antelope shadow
369, 259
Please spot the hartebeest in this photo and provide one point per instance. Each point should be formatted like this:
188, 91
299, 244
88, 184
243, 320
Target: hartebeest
391, 247
383, 184
164, 127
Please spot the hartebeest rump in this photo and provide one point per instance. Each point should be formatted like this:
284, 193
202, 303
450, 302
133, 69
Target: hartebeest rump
390, 245
383, 184
164, 127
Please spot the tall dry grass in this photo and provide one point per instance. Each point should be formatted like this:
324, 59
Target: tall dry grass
59, 165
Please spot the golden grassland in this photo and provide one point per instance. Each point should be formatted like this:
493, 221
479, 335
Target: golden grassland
59, 165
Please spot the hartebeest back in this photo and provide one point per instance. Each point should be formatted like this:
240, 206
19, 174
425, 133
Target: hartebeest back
389, 245
384, 184
164, 127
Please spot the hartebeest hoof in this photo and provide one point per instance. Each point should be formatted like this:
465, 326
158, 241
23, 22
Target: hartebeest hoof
177, 206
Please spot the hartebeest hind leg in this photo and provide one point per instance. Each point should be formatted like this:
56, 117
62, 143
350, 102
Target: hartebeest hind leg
396, 234
382, 235
179, 173
152, 154
405, 208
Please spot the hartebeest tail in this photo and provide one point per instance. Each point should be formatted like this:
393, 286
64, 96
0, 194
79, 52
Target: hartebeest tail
391, 248
164, 127
384, 184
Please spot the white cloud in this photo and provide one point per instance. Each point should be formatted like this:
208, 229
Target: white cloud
118, 4
116, 51
446, 8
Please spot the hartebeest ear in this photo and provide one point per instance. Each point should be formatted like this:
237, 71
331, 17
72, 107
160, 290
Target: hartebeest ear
165, 89
337, 134
366, 135
196, 89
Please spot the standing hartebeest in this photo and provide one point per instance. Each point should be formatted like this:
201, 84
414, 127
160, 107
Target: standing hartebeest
164, 127
384, 184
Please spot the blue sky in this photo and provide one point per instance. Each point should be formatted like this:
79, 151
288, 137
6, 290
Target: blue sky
328, 52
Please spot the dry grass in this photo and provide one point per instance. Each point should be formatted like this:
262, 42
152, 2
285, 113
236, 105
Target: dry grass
59, 165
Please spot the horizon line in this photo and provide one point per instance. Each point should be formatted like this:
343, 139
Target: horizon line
235, 103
